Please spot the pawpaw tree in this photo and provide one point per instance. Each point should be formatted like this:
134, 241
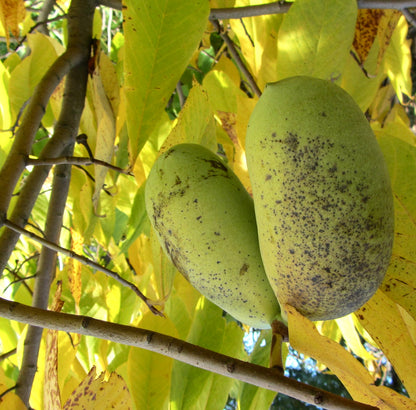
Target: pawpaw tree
93, 313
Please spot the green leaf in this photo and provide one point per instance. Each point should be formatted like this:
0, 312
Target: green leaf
315, 38
160, 38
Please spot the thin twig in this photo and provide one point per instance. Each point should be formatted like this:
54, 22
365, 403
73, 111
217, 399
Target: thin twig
180, 93
44, 14
75, 161
410, 17
38, 24
6, 355
179, 350
277, 7
84, 260
280, 7
236, 56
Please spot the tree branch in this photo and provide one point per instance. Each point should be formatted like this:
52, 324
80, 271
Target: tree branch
84, 260
43, 15
44, 277
79, 41
278, 7
69, 160
236, 56
179, 350
15, 162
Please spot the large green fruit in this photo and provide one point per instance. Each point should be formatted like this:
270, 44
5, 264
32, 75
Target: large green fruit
322, 197
205, 222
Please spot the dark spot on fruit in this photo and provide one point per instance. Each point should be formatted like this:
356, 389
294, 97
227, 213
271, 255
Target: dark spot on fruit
333, 169
243, 269
292, 141
217, 164
268, 176
177, 180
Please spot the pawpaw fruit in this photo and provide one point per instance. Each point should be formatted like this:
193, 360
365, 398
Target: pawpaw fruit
322, 194
205, 222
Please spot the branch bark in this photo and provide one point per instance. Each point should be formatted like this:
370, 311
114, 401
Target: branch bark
236, 56
278, 7
15, 162
76, 161
75, 60
179, 350
44, 277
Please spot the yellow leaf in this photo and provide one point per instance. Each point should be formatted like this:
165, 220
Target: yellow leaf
98, 393
374, 24
106, 133
305, 338
224, 96
10, 400
152, 64
195, 123
74, 271
5, 117
398, 60
382, 319
315, 38
347, 326
51, 393
12, 12
400, 281
110, 81
410, 323
385, 30
149, 373
67, 350
257, 38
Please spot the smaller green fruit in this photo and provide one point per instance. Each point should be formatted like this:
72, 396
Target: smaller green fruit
205, 222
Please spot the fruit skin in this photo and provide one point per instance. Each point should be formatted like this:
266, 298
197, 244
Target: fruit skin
322, 195
205, 222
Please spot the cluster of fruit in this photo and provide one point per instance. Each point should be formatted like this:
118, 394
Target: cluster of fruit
317, 233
